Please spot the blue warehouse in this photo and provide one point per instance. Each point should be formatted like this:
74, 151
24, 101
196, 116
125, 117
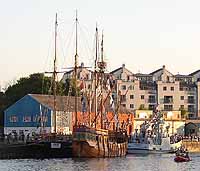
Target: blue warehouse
34, 114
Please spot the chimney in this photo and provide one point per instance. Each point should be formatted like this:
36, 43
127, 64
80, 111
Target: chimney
82, 64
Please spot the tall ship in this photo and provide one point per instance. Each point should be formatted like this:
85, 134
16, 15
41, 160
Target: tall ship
150, 138
94, 137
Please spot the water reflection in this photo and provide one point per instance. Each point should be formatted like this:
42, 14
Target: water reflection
154, 162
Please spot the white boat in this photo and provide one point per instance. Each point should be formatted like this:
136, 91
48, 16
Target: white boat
151, 138
151, 147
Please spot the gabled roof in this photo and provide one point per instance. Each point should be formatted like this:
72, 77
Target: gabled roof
67, 103
180, 75
140, 75
118, 69
161, 69
158, 70
193, 73
63, 103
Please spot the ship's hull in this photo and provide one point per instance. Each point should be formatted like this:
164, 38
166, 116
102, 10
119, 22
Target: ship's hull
40, 150
88, 142
140, 148
84, 149
147, 151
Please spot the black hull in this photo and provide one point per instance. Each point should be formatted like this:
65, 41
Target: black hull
42, 150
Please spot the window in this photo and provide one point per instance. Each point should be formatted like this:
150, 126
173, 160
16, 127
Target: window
168, 99
132, 106
124, 105
123, 98
181, 106
131, 87
191, 108
168, 107
27, 119
13, 118
172, 88
142, 96
131, 96
123, 87
191, 99
152, 99
164, 88
182, 97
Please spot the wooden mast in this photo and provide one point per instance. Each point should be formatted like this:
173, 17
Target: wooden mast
54, 77
95, 79
75, 71
102, 67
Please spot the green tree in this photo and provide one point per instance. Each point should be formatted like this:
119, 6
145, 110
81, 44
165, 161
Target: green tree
183, 113
68, 88
2, 106
34, 84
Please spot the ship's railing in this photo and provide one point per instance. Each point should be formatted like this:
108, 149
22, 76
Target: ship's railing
83, 128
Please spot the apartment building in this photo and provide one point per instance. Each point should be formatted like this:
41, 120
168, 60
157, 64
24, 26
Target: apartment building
145, 91
170, 92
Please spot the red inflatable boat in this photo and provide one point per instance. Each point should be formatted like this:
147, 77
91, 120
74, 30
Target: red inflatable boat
182, 159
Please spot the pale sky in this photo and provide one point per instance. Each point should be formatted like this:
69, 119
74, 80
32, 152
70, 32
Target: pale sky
143, 34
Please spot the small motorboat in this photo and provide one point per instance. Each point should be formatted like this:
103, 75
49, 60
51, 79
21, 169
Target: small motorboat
182, 158
182, 155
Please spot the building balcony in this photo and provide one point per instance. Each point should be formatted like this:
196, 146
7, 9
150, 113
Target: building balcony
168, 101
151, 100
192, 101
168, 109
123, 100
191, 92
191, 110
151, 91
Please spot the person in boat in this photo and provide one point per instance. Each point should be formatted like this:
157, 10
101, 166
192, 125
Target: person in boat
182, 152
178, 152
186, 153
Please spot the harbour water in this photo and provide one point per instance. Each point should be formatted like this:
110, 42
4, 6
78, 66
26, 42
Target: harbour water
162, 162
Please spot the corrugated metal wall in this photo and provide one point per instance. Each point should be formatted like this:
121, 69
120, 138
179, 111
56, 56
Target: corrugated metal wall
27, 106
